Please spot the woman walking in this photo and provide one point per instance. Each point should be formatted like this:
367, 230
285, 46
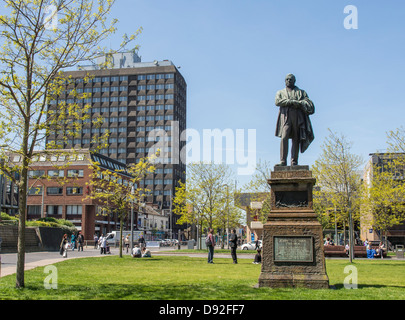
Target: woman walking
126, 242
210, 242
63, 246
103, 244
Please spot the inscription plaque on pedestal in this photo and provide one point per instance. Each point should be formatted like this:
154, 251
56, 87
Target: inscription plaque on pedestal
293, 249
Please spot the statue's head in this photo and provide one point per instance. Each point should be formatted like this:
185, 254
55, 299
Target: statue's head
290, 80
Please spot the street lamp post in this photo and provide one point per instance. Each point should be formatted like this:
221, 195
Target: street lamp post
351, 240
132, 218
336, 233
42, 201
227, 214
171, 216
1, 192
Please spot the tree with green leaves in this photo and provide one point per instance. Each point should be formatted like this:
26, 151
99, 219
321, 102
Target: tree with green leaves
41, 39
119, 189
338, 182
396, 140
206, 199
230, 217
383, 201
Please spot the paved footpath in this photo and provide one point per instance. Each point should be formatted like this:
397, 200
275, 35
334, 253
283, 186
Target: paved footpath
40, 259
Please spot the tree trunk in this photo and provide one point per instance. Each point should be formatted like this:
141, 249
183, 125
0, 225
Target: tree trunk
344, 232
223, 237
21, 227
121, 233
351, 252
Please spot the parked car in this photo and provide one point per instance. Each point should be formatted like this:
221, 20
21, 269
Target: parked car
251, 245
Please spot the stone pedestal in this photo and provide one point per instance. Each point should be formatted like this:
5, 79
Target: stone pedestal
292, 237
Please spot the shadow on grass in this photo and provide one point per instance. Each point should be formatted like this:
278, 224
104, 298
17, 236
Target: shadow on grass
340, 286
193, 291
135, 292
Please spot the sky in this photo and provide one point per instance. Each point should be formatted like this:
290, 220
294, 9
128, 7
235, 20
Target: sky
235, 54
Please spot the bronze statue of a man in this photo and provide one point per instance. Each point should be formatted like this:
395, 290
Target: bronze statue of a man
293, 120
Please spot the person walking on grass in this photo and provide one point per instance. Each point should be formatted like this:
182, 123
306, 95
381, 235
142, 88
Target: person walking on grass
210, 242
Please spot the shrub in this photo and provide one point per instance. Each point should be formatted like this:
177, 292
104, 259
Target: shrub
5, 216
67, 226
65, 223
37, 223
48, 219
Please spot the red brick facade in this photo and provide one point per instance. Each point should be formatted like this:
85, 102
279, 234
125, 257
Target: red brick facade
68, 199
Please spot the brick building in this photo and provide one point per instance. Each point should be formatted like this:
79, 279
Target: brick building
394, 234
133, 98
58, 188
252, 203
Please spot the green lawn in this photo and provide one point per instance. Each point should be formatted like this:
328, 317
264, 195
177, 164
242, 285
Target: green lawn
184, 278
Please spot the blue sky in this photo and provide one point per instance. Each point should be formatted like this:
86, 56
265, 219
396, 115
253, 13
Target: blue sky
234, 55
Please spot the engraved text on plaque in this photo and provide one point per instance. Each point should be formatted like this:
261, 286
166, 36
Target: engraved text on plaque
293, 249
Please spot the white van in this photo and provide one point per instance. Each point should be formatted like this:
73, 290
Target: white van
113, 238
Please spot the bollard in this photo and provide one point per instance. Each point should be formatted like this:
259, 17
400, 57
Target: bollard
399, 251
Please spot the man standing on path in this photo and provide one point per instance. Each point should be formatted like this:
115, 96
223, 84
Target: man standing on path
142, 242
210, 242
233, 244
80, 241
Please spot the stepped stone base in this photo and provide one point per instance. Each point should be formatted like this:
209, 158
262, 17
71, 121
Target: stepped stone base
292, 237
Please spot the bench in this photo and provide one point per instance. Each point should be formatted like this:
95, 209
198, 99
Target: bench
339, 251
